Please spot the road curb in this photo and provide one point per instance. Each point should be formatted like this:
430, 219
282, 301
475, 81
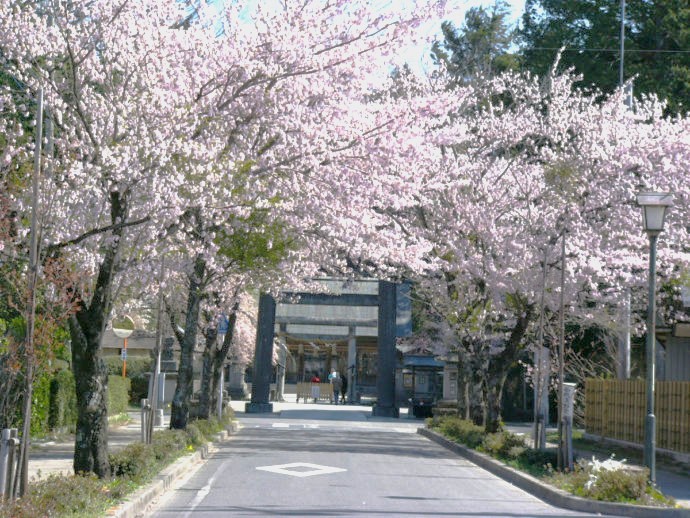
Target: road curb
136, 504
550, 494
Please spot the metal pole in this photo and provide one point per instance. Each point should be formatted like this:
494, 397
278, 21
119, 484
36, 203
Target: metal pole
221, 381
561, 360
145, 409
623, 363
22, 480
154, 392
650, 423
538, 444
620, 63
5, 466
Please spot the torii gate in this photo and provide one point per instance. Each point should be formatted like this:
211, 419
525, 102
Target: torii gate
386, 323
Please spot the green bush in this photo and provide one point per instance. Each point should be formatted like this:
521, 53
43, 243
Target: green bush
135, 462
504, 445
540, 458
63, 401
57, 495
138, 371
118, 394
40, 405
460, 430
168, 444
619, 486
195, 437
209, 427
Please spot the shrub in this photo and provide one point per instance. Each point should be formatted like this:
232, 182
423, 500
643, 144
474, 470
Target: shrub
504, 444
168, 444
545, 459
118, 394
135, 461
138, 372
460, 430
209, 427
87, 496
60, 496
40, 405
195, 436
63, 401
609, 480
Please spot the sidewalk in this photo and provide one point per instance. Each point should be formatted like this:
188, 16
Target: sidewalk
671, 482
49, 456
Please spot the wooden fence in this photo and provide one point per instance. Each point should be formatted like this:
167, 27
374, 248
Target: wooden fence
314, 391
617, 409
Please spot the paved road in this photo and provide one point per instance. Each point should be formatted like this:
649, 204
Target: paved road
342, 464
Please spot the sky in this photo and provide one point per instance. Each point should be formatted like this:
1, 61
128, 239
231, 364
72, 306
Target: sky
418, 56
455, 12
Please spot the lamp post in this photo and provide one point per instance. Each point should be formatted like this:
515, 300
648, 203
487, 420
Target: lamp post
654, 206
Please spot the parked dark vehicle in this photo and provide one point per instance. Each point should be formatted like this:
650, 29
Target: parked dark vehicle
419, 384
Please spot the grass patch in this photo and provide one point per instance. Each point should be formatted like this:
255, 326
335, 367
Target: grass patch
120, 419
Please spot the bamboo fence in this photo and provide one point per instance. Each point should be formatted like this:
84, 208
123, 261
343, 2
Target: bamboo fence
617, 409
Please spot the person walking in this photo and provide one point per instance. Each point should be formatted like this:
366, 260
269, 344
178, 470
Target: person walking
343, 388
337, 383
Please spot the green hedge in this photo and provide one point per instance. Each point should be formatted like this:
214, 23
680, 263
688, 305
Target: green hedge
118, 394
40, 405
63, 401
138, 369
54, 401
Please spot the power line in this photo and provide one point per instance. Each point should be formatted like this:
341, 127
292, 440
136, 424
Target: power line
617, 51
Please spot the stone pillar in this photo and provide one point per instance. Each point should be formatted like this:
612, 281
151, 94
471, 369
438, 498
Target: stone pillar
385, 376
282, 364
237, 388
261, 379
351, 365
300, 363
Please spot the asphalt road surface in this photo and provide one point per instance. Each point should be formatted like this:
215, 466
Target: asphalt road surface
303, 467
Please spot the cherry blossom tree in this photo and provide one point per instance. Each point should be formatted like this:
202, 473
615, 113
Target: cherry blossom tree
165, 128
507, 174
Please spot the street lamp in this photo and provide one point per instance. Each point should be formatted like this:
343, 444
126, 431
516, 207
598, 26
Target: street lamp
654, 206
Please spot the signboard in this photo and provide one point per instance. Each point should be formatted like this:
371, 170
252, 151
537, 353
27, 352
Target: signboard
223, 324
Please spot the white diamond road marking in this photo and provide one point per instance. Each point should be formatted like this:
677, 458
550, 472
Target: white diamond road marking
297, 469
281, 425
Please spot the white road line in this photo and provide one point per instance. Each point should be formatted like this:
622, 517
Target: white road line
202, 493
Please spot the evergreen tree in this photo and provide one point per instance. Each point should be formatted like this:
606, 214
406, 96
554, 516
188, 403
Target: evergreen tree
480, 48
657, 44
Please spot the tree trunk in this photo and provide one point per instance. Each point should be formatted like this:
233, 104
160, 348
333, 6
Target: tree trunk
477, 406
494, 391
214, 359
91, 381
498, 368
206, 397
185, 376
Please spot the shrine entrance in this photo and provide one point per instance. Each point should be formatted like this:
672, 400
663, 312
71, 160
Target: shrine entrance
352, 329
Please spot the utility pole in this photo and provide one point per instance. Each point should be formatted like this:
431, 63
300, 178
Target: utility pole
621, 78
21, 480
621, 63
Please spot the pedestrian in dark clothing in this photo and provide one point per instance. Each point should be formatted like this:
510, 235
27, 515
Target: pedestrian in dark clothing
343, 389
